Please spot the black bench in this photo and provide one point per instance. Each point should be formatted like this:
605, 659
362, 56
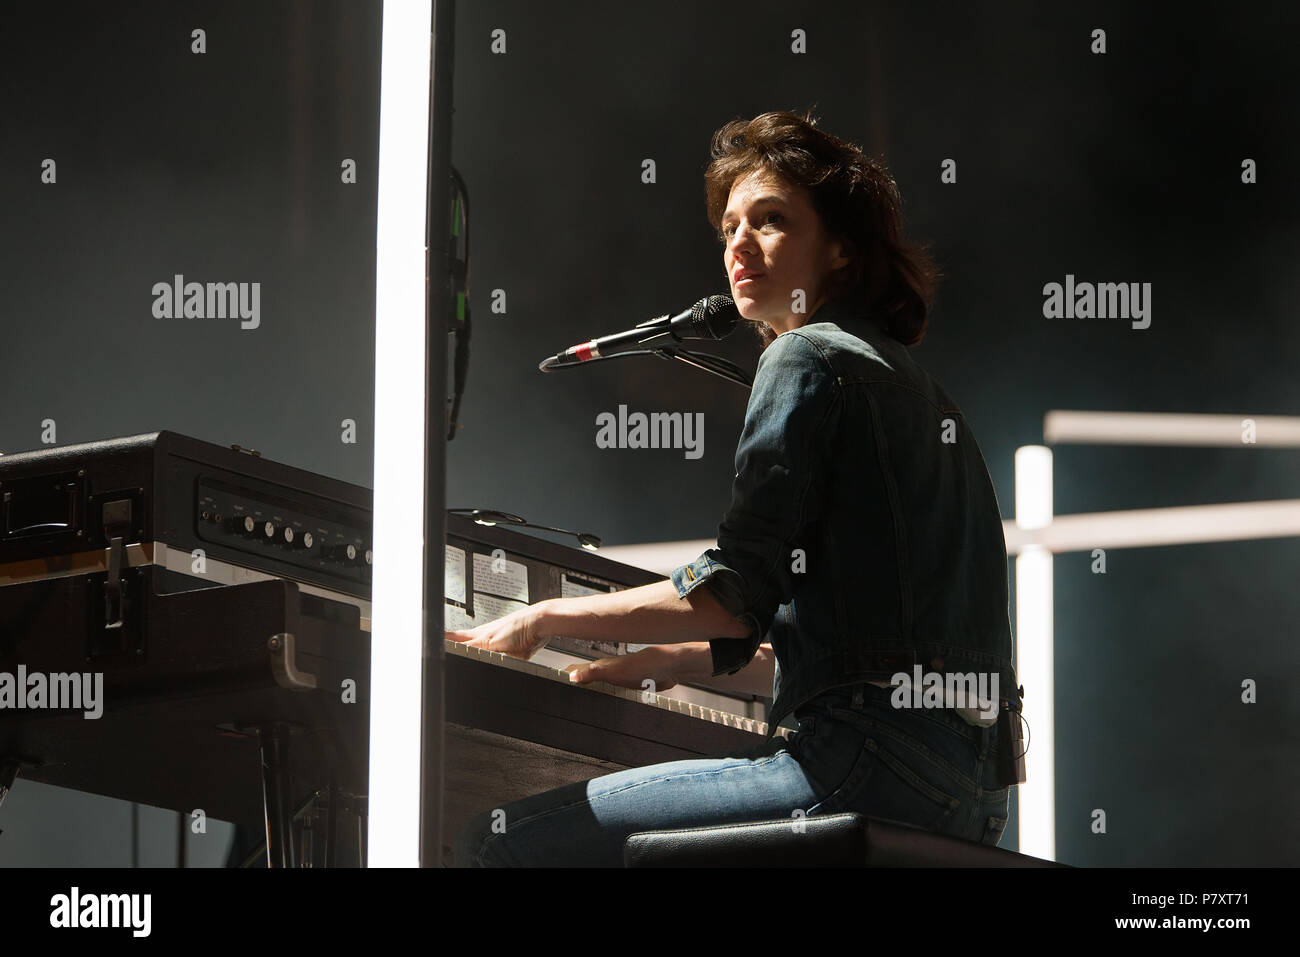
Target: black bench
831, 840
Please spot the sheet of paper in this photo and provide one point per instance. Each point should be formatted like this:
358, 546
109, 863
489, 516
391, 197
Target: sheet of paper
490, 607
574, 589
486, 608
455, 619
453, 574
498, 575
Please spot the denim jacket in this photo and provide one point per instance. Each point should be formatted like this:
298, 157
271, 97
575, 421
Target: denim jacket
864, 536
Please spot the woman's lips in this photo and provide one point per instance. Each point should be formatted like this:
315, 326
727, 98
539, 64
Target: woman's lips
741, 282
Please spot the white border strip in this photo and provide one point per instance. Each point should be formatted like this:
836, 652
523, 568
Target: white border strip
1170, 428
1035, 668
1035, 636
396, 659
1133, 528
1138, 528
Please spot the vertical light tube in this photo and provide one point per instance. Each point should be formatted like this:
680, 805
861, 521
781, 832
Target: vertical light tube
1035, 634
396, 659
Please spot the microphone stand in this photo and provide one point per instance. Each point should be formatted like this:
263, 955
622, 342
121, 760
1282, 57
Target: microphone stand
699, 360
709, 363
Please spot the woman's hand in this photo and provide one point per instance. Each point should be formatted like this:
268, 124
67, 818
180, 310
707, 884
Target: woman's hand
659, 663
518, 634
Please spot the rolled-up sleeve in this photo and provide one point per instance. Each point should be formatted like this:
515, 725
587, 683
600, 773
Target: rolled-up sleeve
782, 464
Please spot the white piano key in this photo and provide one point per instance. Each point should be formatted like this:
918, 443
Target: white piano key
665, 702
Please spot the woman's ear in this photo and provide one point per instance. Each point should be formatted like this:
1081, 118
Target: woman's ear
841, 254
844, 257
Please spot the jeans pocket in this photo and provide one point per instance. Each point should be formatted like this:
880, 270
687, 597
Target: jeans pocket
941, 737
904, 787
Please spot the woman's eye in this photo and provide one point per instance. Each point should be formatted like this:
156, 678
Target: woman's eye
727, 230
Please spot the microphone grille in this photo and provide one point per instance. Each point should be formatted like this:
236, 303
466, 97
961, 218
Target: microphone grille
714, 317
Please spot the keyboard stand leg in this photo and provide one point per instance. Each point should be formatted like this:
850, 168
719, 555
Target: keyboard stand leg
274, 740
331, 823
306, 839
359, 805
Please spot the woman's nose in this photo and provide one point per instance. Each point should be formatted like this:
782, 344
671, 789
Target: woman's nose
742, 238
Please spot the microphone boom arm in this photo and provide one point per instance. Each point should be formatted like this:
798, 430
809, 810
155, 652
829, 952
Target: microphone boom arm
700, 360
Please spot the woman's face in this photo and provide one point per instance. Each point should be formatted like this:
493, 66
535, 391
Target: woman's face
771, 230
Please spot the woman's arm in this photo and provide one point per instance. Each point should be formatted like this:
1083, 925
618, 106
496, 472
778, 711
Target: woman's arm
648, 615
694, 665
689, 661
655, 614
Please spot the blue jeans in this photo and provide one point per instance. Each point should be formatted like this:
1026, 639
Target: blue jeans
853, 752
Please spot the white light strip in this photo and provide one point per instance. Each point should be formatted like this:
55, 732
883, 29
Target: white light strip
1134, 528
1035, 637
1033, 468
1184, 525
396, 660
1170, 428
1034, 634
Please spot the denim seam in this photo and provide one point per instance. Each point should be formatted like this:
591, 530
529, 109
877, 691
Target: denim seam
854, 780
895, 509
858, 380
937, 759
916, 745
899, 767
989, 830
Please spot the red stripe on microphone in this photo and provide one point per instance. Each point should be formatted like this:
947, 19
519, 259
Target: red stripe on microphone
586, 351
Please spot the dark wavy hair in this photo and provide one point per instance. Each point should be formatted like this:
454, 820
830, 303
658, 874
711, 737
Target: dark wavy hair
858, 202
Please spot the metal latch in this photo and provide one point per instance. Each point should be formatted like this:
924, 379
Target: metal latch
285, 667
117, 518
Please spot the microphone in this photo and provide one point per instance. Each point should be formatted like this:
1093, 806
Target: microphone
711, 318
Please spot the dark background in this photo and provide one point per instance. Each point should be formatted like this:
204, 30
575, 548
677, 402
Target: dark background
1122, 167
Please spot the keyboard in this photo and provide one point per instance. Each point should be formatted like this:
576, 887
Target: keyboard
98, 573
650, 699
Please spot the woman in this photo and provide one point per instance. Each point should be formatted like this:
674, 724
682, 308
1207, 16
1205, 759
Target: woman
863, 540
